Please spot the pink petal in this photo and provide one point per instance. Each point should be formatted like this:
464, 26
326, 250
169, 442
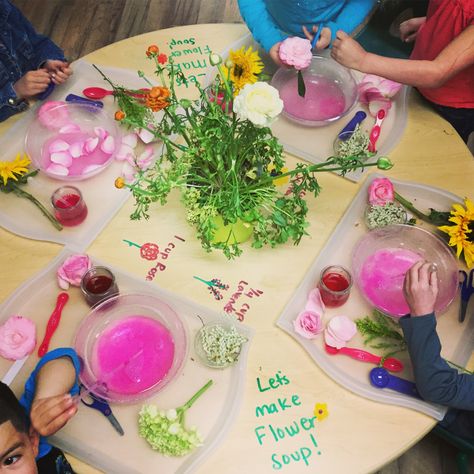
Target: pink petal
53, 114
102, 133
108, 145
146, 136
91, 144
389, 88
315, 303
131, 140
145, 160
90, 168
128, 172
342, 328
62, 158
124, 152
58, 145
70, 128
76, 149
372, 78
57, 169
381, 104
333, 341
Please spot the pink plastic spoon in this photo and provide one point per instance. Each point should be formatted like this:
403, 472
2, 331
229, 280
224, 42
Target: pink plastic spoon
100, 93
392, 364
53, 323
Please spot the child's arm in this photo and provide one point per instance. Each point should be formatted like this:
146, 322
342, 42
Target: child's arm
435, 380
455, 57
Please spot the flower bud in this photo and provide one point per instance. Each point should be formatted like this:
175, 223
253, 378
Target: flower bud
229, 64
384, 163
119, 183
185, 103
215, 59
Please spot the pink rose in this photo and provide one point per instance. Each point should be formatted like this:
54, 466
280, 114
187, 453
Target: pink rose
17, 337
296, 52
381, 192
309, 322
72, 270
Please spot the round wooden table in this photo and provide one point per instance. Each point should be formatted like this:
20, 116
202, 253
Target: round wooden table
359, 435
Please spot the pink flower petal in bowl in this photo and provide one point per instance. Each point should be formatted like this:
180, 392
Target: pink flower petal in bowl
102, 133
58, 145
108, 145
57, 169
62, 158
130, 139
91, 144
70, 128
53, 115
90, 168
76, 148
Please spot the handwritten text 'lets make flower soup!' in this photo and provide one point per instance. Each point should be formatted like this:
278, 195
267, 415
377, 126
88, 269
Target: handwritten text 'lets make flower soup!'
273, 433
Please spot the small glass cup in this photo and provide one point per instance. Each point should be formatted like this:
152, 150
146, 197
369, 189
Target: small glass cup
335, 285
69, 206
98, 284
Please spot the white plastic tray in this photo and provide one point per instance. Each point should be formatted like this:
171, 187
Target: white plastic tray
457, 339
213, 413
21, 217
315, 144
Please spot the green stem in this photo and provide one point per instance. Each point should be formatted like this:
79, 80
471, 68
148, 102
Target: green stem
408, 205
19, 192
208, 283
190, 402
132, 244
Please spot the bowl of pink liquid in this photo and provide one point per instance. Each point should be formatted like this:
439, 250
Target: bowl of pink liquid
331, 92
382, 257
71, 142
131, 346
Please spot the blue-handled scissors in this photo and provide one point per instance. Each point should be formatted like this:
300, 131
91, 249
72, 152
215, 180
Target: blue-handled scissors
317, 35
467, 289
101, 405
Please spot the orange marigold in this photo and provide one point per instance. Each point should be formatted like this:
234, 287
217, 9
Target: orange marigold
157, 98
152, 50
119, 115
119, 183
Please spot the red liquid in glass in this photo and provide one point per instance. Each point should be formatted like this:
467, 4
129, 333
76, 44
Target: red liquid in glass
333, 289
69, 212
99, 288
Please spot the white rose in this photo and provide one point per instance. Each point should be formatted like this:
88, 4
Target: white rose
259, 103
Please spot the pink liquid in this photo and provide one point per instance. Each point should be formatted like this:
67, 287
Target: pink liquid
133, 355
382, 276
324, 99
332, 291
79, 165
69, 211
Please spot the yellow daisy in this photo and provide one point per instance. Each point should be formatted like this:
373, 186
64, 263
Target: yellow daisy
9, 169
461, 234
246, 66
321, 411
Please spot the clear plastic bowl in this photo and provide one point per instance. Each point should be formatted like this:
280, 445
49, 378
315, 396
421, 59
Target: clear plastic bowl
331, 92
73, 124
130, 346
382, 257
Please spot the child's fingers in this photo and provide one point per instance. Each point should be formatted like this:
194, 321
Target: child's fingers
324, 39
45, 411
434, 279
307, 33
58, 422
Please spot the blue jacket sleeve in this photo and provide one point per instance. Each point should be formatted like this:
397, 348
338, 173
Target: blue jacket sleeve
436, 381
260, 23
6, 109
352, 15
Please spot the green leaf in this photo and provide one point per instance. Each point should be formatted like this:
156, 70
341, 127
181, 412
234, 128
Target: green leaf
301, 84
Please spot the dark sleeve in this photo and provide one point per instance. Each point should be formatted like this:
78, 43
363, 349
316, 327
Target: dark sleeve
436, 381
8, 104
43, 47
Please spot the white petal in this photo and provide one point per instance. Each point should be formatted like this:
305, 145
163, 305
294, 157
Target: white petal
76, 149
124, 152
90, 168
131, 140
62, 158
101, 132
70, 128
58, 145
57, 169
91, 144
108, 145
146, 136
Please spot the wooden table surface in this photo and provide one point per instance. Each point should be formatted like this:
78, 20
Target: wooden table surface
359, 435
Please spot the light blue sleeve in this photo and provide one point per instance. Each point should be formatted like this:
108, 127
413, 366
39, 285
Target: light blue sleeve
352, 15
260, 23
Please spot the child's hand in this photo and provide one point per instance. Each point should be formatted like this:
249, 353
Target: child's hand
58, 70
347, 51
324, 39
275, 54
409, 28
421, 288
32, 83
48, 415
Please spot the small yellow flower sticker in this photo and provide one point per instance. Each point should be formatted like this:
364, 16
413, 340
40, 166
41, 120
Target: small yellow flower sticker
321, 411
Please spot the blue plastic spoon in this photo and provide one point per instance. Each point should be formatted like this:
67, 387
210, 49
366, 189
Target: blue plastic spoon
380, 378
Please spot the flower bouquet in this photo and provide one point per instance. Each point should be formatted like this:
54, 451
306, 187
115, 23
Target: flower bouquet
223, 158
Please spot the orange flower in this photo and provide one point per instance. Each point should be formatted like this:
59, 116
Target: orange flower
162, 58
119, 115
119, 183
152, 50
157, 98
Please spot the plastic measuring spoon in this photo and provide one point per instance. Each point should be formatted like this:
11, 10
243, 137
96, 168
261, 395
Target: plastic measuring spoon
53, 323
380, 378
375, 132
392, 364
96, 92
